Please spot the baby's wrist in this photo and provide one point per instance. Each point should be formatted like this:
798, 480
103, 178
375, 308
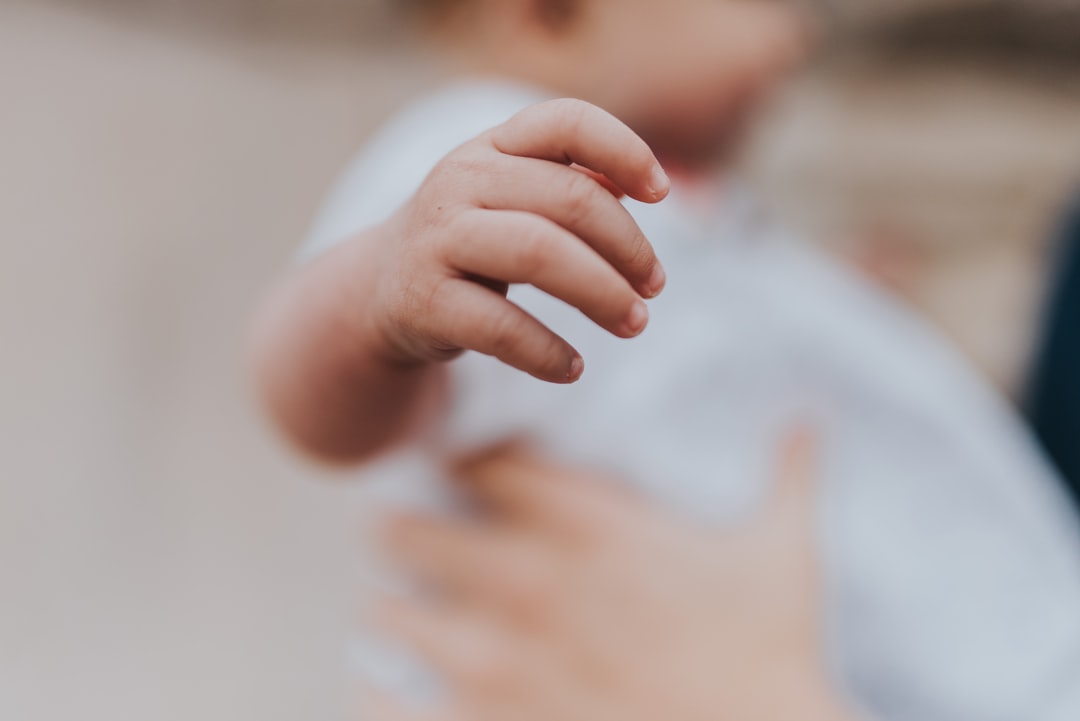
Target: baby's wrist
377, 325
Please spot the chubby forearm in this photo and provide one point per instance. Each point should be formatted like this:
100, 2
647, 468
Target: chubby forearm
324, 370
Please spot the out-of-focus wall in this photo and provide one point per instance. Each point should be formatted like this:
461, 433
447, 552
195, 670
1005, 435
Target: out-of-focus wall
163, 557
319, 21
946, 178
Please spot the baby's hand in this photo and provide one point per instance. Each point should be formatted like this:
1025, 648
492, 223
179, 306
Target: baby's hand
508, 208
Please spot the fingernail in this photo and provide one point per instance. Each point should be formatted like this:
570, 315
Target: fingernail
638, 319
657, 281
659, 183
577, 368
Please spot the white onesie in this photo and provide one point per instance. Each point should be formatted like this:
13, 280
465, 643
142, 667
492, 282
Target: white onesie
952, 555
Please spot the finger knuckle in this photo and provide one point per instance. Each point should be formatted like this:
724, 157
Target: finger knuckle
582, 197
461, 165
573, 113
639, 253
418, 302
429, 301
437, 212
533, 249
407, 312
506, 336
424, 298
457, 229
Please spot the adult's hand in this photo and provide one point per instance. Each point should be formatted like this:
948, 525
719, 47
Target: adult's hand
570, 598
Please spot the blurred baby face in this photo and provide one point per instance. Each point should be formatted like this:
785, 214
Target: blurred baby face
685, 73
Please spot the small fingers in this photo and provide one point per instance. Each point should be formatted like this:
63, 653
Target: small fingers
569, 503
517, 247
483, 569
472, 654
586, 207
463, 314
573, 131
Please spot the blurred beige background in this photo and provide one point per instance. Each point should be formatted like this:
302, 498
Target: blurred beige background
163, 557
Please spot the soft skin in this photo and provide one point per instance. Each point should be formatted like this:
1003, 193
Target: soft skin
571, 598
348, 352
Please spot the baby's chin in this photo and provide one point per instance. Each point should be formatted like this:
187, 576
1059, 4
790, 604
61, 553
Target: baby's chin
705, 149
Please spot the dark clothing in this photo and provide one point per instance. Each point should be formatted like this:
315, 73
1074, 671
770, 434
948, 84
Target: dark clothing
1055, 389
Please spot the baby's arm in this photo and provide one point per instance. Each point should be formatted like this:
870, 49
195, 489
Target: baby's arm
348, 351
